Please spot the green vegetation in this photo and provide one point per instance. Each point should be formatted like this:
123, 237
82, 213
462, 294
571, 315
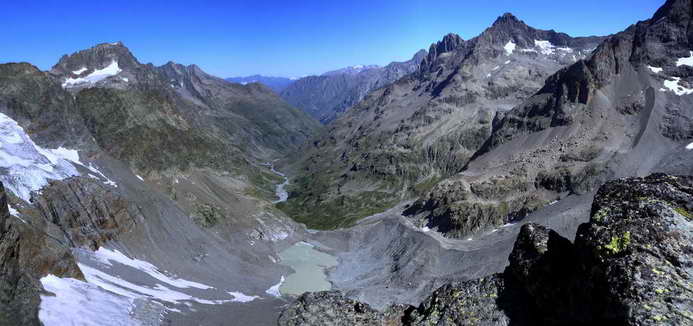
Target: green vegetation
207, 215
600, 215
341, 212
618, 244
423, 187
684, 212
263, 184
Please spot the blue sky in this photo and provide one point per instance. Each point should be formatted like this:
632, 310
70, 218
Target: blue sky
283, 38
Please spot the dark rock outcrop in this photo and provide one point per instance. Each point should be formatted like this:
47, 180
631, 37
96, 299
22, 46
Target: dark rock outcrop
630, 265
87, 212
332, 308
27, 253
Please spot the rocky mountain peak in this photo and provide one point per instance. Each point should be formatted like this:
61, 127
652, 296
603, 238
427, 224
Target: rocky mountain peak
419, 56
510, 29
97, 57
449, 43
676, 10
508, 19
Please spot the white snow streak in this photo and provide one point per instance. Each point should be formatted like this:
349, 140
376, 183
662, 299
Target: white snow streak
274, 290
689, 146
240, 297
79, 71
107, 256
656, 70
685, 61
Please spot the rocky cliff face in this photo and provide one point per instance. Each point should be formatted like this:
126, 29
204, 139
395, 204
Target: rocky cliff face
327, 96
618, 113
629, 265
28, 252
404, 138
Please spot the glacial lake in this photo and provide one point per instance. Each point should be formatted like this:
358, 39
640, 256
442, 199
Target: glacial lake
310, 265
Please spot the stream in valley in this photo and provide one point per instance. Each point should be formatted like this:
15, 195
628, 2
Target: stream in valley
309, 264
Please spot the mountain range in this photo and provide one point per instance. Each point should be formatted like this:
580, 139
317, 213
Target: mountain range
520, 177
326, 96
277, 84
404, 138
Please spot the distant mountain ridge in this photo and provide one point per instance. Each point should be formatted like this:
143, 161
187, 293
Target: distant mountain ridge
326, 96
351, 70
277, 84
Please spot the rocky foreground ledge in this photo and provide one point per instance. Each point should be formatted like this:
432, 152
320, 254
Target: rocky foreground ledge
631, 264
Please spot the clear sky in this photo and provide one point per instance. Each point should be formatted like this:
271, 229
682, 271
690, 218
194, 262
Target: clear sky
283, 38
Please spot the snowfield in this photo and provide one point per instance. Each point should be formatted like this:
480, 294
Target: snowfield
96, 76
29, 167
81, 303
108, 297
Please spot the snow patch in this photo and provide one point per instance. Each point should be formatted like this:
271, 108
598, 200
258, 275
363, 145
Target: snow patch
27, 166
96, 76
546, 48
278, 236
13, 211
107, 256
240, 297
673, 85
79, 71
687, 61
689, 146
274, 290
138, 177
425, 229
655, 69
510, 47
81, 303
16, 214
129, 290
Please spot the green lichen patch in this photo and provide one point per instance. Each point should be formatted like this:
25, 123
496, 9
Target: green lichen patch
684, 212
601, 214
618, 244
207, 215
